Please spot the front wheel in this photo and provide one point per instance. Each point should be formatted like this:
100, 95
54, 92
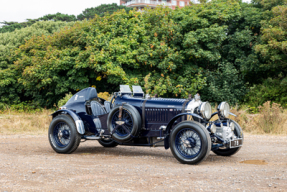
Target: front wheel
190, 142
63, 135
227, 151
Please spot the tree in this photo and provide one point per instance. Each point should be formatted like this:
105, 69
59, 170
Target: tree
220, 49
12, 26
12, 40
273, 45
58, 17
268, 4
272, 50
169, 52
202, 1
10, 90
101, 10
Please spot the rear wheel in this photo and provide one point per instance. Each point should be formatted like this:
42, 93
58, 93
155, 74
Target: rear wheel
228, 152
190, 142
63, 135
108, 142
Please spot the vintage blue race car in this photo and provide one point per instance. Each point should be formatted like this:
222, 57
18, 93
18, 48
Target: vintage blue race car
135, 119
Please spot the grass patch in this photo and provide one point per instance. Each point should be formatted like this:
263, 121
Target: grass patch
13, 122
271, 119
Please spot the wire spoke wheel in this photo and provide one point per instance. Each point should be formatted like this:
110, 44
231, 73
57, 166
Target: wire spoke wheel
126, 128
62, 134
188, 143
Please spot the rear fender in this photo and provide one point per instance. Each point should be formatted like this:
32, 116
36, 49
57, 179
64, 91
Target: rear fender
171, 122
78, 121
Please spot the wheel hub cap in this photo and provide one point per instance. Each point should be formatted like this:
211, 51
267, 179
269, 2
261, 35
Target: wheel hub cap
60, 134
124, 125
186, 143
66, 134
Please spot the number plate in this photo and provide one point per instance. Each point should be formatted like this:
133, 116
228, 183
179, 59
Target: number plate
236, 143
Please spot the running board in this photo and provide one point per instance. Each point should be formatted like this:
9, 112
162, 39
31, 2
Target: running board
92, 138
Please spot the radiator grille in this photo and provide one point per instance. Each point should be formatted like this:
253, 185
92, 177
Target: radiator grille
160, 114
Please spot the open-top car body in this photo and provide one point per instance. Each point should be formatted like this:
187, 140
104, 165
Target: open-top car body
135, 119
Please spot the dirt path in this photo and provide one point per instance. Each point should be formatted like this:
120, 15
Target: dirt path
28, 163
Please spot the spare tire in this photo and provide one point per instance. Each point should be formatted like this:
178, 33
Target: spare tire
125, 129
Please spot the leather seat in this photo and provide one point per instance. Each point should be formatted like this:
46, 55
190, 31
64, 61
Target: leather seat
97, 108
107, 106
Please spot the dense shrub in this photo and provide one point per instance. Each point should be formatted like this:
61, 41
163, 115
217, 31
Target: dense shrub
11, 40
270, 90
102, 10
65, 99
269, 67
12, 26
219, 49
11, 91
163, 46
105, 95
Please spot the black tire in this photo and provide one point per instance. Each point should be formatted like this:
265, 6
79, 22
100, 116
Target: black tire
108, 142
195, 130
134, 125
60, 144
228, 152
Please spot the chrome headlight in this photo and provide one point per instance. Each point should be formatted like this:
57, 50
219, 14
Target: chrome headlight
205, 110
224, 109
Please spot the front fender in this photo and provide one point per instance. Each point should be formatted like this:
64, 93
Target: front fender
78, 121
171, 122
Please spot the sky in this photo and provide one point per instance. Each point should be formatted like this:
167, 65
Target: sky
20, 10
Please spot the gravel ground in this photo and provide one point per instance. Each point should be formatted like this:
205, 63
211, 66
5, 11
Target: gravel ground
28, 163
